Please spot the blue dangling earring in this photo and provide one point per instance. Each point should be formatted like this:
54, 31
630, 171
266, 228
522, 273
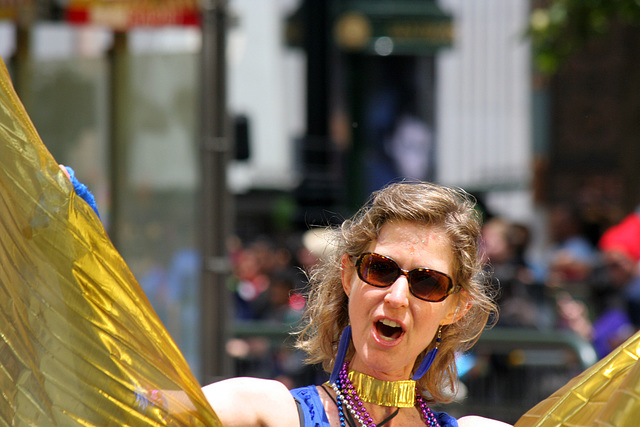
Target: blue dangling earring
428, 358
343, 346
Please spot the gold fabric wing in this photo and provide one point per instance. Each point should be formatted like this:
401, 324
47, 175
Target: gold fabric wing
606, 394
79, 342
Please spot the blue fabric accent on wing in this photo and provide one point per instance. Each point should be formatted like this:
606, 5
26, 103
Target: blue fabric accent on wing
82, 191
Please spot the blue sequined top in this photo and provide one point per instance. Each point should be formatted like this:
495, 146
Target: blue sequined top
312, 411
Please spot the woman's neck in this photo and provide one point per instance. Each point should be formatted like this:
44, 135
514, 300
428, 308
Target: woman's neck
359, 365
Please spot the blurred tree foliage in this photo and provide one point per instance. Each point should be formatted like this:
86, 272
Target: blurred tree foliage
560, 27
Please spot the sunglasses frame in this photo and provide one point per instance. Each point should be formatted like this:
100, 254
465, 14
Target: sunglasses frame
451, 289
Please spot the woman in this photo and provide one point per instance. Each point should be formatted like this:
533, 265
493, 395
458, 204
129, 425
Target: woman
400, 292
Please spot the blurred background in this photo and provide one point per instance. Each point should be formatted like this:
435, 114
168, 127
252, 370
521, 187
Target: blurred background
219, 137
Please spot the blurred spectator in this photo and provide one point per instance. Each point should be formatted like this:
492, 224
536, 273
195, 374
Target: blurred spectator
616, 294
620, 247
250, 282
314, 243
255, 268
267, 284
519, 297
270, 255
281, 303
571, 256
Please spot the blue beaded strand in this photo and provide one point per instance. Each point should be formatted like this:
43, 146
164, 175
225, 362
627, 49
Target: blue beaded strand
340, 399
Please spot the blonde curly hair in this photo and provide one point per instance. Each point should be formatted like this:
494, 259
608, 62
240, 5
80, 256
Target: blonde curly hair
451, 210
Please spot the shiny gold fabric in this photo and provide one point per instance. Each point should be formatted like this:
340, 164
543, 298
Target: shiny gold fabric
79, 342
607, 394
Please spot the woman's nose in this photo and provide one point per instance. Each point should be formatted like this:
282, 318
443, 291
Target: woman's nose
398, 293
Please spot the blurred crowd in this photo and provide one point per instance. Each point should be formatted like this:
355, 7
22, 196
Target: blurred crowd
588, 284
268, 286
585, 282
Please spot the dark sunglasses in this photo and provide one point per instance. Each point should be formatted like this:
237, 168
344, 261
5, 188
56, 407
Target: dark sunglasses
426, 284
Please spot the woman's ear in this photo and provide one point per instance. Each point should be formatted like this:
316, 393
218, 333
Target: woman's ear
346, 272
463, 305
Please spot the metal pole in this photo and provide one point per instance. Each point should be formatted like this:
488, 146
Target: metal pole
119, 130
215, 209
23, 64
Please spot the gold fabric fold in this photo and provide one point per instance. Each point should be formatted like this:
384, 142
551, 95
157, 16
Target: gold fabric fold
607, 394
397, 394
80, 343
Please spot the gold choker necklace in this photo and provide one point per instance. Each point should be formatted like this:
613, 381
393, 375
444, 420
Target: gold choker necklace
398, 394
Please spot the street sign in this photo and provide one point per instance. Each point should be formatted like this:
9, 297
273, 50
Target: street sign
121, 15
410, 27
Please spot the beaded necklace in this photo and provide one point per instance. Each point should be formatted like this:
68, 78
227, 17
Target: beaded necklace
348, 397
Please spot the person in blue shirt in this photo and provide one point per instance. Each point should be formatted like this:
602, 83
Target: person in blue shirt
398, 293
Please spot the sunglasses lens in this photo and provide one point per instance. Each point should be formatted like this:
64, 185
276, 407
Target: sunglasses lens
377, 270
429, 285
380, 271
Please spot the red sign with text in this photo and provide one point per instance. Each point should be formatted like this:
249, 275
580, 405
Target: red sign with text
125, 14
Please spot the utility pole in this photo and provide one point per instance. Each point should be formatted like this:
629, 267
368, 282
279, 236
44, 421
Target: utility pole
215, 148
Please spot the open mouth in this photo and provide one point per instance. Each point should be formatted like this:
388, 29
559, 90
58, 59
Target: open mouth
388, 329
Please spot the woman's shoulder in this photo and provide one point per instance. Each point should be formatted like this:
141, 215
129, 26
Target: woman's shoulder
475, 421
248, 385
248, 401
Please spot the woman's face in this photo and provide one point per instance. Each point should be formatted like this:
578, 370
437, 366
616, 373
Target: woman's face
389, 352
